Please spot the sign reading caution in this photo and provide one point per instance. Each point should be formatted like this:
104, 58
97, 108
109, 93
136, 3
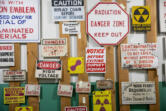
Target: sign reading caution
141, 19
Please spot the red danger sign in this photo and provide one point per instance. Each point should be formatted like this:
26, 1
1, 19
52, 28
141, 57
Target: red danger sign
107, 23
48, 65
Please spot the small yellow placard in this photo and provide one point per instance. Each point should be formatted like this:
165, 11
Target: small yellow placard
141, 19
14, 95
27, 108
76, 65
102, 101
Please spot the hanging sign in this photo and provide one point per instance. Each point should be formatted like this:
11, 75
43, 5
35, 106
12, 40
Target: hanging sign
139, 55
20, 21
162, 16
54, 47
68, 10
7, 54
108, 23
141, 19
14, 95
76, 65
95, 60
32, 90
83, 87
49, 69
76, 108
138, 93
71, 28
102, 101
65, 90
27, 108
9, 75
104, 84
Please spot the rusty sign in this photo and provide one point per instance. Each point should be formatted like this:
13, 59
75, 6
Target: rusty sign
104, 84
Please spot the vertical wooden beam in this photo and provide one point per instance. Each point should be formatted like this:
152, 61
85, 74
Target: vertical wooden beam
17, 52
152, 38
123, 73
32, 56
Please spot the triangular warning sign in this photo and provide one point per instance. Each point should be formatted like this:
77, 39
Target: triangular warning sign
137, 17
141, 11
145, 17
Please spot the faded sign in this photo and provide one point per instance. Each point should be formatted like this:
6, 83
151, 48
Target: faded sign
71, 28
14, 95
139, 55
54, 47
20, 21
7, 55
76, 65
83, 87
65, 90
95, 60
141, 19
68, 10
9, 75
25, 108
162, 8
76, 108
102, 101
49, 69
138, 93
104, 84
32, 90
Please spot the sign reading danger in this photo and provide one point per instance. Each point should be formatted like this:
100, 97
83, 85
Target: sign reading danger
141, 19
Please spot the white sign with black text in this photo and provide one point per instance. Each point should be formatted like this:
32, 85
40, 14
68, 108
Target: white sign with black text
71, 28
9, 75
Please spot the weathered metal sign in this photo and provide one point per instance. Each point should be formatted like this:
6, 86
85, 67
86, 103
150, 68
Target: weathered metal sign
102, 101
49, 69
95, 60
83, 87
25, 108
139, 55
162, 8
7, 55
32, 90
71, 28
14, 95
54, 47
104, 84
138, 93
68, 10
20, 21
9, 75
76, 108
65, 90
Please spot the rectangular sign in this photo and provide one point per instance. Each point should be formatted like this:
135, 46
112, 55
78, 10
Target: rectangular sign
71, 28
104, 84
141, 18
65, 90
102, 101
49, 69
32, 90
68, 10
9, 75
54, 47
20, 21
77, 108
95, 60
7, 54
139, 55
26, 108
138, 93
162, 8
83, 87
14, 95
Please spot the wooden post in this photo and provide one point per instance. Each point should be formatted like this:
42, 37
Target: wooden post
123, 73
17, 52
32, 56
152, 38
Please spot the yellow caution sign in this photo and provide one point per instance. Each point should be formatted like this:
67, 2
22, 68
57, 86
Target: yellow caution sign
27, 108
102, 101
76, 65
141, 19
